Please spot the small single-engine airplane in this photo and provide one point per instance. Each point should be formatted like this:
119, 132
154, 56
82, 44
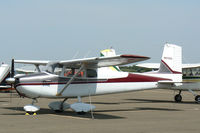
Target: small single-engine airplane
4, 74
94, 76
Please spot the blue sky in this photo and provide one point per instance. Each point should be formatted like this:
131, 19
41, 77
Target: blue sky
64, 29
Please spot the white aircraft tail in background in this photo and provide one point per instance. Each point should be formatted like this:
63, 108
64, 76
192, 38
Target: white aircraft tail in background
171, 62
170, 66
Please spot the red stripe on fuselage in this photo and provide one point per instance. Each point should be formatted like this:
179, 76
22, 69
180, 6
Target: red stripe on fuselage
174, 72
137, 78
129, 78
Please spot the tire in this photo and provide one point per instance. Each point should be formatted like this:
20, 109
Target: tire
197, 98
178, 98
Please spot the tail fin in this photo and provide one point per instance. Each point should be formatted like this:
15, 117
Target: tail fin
171, 62
109, 53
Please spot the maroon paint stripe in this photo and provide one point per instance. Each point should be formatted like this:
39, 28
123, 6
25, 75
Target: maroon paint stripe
174, 72
134, 56
131, 78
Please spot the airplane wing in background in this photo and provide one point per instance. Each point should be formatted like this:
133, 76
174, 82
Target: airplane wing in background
191, 65
149, 65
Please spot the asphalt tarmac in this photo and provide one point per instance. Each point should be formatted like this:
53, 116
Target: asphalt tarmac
151, 111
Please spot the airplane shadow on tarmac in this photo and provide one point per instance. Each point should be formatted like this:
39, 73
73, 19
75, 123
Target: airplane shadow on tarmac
100, 114
44, 111
97, 113
3, 101
159, 101
140, 109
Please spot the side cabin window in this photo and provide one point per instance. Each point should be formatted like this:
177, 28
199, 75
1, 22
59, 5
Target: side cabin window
69, 72
91, 73
72, 71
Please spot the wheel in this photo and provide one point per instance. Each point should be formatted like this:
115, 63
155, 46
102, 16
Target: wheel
29, 113
197, 98
178, 98
81, 113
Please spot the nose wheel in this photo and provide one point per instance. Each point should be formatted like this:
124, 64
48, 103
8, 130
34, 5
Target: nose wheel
31, 109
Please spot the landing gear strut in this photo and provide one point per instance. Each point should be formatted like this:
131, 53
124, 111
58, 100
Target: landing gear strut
178, 97
61, 106
197, 97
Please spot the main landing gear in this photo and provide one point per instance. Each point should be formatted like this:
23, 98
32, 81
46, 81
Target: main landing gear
178, 97
197, 97
79, 107
59, 106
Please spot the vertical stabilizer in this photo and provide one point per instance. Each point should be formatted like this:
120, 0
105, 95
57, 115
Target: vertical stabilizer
171, 62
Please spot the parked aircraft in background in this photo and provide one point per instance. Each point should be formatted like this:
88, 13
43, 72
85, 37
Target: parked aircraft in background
191, 72
4, 74
191, 79
95, 76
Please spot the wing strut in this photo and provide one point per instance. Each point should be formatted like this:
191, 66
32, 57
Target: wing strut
37, 68
71, 80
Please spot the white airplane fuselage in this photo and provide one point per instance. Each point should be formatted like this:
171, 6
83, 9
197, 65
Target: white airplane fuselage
48, 85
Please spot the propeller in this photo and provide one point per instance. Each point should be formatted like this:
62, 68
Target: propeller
12, 72
11, 80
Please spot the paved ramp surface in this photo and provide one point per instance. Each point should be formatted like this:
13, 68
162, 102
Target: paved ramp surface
134, 112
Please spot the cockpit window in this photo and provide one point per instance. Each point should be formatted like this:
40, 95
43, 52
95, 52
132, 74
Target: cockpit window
69, 72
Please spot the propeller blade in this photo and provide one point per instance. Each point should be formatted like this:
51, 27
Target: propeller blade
12, 74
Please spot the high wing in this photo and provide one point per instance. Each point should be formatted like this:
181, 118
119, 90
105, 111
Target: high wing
96, 62
197, 65
93, 62
34, 62
149, 65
